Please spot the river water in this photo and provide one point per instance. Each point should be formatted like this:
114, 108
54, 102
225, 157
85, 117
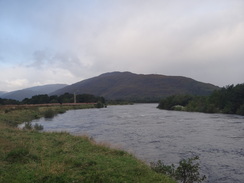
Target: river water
152, 134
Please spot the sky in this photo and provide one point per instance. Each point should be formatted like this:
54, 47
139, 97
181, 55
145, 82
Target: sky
66, 41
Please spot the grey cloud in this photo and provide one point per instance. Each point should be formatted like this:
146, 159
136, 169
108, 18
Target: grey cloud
86, 38
68, 61
40, 59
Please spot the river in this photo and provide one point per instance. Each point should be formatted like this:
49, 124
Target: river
152, 134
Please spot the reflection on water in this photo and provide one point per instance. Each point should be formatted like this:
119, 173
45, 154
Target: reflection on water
153, 134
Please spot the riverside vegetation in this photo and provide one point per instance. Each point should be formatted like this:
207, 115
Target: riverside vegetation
64, 98
186, 172
228, 100
30, 156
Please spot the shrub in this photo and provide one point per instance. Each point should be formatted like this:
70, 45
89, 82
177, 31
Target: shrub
61, 111
49, 113
240, 111
28, 126
160, 167
38, 127
99, 105
186, 172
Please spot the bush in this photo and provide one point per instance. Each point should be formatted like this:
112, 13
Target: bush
160, 167
186, 172
49, 113
28, 126
61, 111
99, 105
240, 111
38, 127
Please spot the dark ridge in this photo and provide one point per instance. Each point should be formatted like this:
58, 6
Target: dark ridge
130, 86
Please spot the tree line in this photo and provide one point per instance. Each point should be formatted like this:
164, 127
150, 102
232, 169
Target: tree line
45, 99
228, 100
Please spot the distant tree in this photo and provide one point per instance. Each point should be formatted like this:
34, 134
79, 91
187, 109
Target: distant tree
54, 99
37, 99
66, 98
240, 110
86, 98
8, 102
229, 99
171, 101
26, 101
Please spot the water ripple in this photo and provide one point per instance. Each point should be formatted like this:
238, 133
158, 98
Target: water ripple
153, 134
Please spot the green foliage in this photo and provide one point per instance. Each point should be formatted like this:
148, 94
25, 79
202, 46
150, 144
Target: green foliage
65, 98
240, 110
175, 100
60, 157
38, 127
201, 104
28, 126
99, 105
160, 167
20, 155
119, 102
186, 172
37, 99
15, 115
229, 99
49, 113
8, 102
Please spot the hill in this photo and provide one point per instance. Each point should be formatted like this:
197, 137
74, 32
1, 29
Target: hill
1, 93
137, 87
29, 92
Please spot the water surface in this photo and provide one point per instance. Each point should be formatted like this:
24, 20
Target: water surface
153, 134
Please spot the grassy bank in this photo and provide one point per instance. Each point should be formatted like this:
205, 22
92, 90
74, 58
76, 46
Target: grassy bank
31, 156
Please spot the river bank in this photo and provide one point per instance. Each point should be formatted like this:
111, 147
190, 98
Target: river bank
152, 134
32, 156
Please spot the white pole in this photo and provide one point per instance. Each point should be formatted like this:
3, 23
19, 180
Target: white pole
74, 97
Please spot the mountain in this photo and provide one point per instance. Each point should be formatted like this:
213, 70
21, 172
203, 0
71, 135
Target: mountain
130, 86
1, 93
29, 92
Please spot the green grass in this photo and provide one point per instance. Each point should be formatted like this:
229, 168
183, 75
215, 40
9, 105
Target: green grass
30, 156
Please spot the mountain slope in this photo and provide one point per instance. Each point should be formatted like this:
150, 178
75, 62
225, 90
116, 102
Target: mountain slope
29, 92
1, 93
130, 86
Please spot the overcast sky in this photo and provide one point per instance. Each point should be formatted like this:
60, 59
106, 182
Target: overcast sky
66, 41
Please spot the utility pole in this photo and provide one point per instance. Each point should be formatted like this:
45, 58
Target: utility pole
74, 97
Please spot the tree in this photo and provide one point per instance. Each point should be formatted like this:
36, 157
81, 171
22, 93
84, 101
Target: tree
8, 101
188, 172
229, 99
174, 100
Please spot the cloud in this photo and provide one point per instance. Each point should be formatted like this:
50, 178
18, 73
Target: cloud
80, 39
24, 77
